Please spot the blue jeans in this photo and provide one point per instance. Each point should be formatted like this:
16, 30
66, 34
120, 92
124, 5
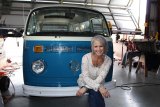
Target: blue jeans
95, 99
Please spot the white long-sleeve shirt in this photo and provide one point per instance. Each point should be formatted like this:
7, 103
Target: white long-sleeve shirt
92, 77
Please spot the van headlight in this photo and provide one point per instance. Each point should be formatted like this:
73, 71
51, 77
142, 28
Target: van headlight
38, 66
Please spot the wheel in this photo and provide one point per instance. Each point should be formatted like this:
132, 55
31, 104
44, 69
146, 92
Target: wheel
4, 83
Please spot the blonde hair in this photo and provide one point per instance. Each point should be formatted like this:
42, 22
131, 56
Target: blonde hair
102, 40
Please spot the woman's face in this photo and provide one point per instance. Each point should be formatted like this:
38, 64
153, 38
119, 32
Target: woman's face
98, 48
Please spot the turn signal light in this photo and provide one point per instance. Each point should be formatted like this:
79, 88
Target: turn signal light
38, 49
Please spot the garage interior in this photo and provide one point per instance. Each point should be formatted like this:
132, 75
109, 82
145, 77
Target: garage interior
130, 19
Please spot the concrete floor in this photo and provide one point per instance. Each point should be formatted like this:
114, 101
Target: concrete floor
137, 96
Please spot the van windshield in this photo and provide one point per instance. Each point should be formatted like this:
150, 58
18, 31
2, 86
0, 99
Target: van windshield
66, 22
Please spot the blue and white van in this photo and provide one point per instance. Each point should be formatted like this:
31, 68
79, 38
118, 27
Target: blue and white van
55, 39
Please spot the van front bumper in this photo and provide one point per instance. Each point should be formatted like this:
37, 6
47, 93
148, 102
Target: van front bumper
57, 91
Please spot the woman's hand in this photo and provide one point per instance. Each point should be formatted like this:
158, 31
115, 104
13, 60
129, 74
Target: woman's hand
81, 91
104, 91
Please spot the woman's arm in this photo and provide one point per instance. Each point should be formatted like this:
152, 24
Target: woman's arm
90, 83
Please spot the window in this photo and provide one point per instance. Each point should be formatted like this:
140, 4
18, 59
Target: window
66, 21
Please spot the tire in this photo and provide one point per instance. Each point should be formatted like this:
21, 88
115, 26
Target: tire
4, 83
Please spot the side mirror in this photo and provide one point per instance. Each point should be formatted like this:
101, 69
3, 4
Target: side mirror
10, 33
